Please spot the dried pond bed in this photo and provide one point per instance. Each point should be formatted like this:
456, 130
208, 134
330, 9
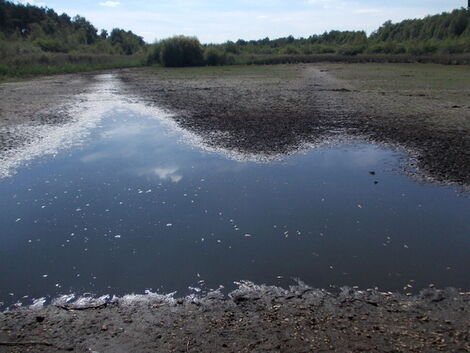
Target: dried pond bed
262, 110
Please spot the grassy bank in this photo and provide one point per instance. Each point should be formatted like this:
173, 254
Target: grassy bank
406, 59
54, 63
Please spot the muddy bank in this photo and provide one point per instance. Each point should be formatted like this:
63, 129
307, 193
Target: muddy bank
268, 111
37, 102
252, 319
273, 110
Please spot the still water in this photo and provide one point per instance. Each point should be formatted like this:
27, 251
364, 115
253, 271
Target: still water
137, 206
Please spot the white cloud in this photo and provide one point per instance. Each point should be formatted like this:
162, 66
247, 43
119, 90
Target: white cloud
110, 3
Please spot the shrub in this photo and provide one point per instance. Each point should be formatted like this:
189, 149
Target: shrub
231, 47
181, 51
213, 57
154, 54
351, 51
422, 49
290, 50
51, 45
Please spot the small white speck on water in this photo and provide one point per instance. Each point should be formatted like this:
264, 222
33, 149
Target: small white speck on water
169, 224
17, 220
247, 235
117, 236
45, 276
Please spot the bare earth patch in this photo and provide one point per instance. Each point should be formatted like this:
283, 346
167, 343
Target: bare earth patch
277, 109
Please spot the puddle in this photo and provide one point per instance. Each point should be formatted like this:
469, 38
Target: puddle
129, 205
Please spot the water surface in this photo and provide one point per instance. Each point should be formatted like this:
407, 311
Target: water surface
137, 206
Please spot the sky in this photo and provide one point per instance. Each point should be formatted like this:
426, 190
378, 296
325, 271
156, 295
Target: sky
218, 21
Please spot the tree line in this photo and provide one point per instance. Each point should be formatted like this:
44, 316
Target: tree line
443, 34
25, 28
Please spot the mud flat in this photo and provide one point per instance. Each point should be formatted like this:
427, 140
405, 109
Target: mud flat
252, 319
37, 102
266, 111
277, 109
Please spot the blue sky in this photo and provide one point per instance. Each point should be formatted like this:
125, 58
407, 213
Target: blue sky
218, 21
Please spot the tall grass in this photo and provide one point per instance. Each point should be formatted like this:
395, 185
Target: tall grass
294, 59
48, 63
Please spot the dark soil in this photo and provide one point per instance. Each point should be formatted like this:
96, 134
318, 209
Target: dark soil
261, 112
256, 112
258, 319
41, 101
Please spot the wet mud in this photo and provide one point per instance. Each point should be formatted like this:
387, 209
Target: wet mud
251, 319
34, 103
281, 109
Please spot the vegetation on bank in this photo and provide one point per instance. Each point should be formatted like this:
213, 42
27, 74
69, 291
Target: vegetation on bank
442, 38
36, 40
54, 63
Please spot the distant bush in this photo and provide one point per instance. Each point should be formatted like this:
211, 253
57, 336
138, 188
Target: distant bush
290, 50
351, 50
422, 49
386, 48
49, 63
52, 45
232, 48
455, 48
181, 51
154, 56
9, 48
214, 57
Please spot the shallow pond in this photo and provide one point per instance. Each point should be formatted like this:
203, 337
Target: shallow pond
137, 205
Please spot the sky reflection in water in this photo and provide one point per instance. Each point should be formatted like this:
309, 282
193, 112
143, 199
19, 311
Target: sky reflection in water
137, 208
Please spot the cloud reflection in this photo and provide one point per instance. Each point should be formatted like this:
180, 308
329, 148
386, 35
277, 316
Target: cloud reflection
168, 174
